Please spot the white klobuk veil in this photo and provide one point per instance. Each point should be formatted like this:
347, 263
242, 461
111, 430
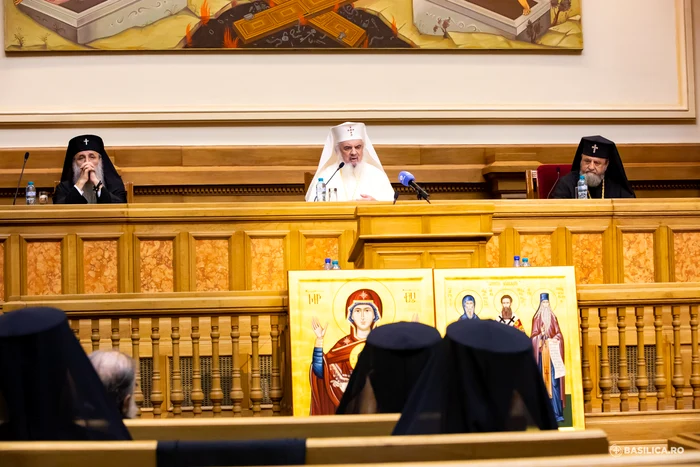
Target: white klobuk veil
337, 134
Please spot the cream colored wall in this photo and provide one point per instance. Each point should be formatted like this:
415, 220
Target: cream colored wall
629, 61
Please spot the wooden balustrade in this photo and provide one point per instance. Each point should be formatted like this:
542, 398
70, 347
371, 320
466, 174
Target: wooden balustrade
663, 335
639, 347
179, 350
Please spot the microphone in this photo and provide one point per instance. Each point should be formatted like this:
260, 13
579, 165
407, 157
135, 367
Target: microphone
407, 179
340, 166
396, 196
555, 183
26, 156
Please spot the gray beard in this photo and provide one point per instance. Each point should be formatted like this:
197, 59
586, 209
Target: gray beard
593, 180
89, 189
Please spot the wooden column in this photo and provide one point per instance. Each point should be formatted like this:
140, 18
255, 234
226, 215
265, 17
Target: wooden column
695, 361
678, 381
75, 327
176, 394
275, 386
197, 394
586, 362
156, 391
605, 382
623, 382
642, 380
255, 390
115, 334
217, 395
95, 336
135, 355
236, 389
660, 379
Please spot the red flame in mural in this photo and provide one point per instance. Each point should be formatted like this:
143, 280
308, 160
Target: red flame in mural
336, 7
188, 35
271, 4
302, 20
229, 42
205, 12
365, 44
394, 29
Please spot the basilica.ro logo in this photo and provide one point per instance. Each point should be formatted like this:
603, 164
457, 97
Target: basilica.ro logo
615, 450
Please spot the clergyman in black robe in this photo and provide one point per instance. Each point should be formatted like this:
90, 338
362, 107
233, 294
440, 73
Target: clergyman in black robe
598, 160
89, 177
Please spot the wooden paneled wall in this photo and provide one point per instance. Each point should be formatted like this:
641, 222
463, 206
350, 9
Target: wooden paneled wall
247, 173
51, 250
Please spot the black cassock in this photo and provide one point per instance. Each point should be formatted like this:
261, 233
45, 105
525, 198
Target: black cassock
113, 188
66, 193
616, 183
566, 189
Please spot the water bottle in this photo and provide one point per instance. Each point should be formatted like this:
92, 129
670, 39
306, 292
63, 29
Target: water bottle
526, 263
31, 193
320, 190
327, 264
582, 188
335, 264
516, 261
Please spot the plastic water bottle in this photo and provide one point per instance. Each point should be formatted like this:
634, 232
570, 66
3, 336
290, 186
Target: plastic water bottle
526, 263
327, 264
320, 190
31, 193
335, 264
582, 188
516, 261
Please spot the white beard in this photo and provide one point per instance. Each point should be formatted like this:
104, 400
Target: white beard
89, 189
593, 180
351, 179
546, 315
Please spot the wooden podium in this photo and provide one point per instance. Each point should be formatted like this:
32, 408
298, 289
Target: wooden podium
421, 235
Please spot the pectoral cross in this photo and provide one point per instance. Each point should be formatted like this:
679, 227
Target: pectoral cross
595, 148
86, 141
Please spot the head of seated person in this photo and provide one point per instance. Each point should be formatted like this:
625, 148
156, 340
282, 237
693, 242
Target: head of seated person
88, 176
361, 177
598, 161
118, 374
388, 367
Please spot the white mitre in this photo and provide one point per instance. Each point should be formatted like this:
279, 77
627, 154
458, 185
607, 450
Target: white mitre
330, 158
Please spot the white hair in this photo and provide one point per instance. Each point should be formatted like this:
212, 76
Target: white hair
118, 374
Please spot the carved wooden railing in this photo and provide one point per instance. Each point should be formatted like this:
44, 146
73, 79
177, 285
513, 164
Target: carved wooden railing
163, 333
658, 323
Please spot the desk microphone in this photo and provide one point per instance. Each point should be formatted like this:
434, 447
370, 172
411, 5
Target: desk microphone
340, 166
26, 156
555, 183
396, 196
407, 179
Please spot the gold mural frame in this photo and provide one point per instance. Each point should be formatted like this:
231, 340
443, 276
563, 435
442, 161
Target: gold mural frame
682, 109
452, 284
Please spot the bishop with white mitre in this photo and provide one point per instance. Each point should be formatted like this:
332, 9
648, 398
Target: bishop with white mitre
362, 178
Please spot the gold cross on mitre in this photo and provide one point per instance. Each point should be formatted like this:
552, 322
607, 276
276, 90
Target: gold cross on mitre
363, 295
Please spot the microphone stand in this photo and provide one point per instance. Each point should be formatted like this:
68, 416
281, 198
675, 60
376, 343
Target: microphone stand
19, 182
340, 166
396, 196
